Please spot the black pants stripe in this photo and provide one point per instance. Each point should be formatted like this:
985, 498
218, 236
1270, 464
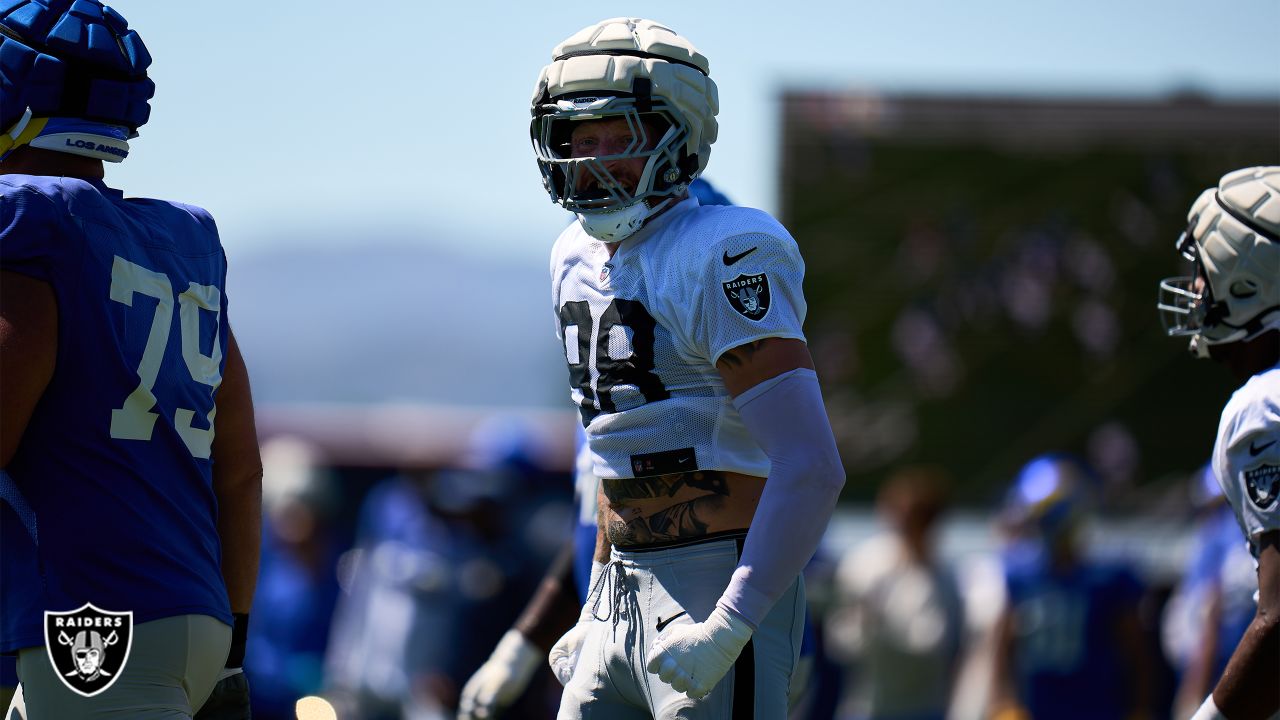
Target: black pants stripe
744, 675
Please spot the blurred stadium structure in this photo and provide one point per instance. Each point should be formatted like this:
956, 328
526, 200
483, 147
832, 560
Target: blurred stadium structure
408, 435
981, 275
981, 278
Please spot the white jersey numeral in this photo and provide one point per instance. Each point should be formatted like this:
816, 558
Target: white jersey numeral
135, 419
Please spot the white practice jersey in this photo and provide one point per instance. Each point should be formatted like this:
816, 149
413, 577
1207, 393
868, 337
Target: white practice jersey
642, 333
1246, 458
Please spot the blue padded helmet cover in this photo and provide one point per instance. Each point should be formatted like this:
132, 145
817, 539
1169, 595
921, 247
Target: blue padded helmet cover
72, 59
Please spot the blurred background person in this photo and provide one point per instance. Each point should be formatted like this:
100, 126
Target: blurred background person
297, 583
898, 619
506, 675
394, 627
1069, 643
1213, 603
439, 555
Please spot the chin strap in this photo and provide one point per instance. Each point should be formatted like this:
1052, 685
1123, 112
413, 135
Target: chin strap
613, 226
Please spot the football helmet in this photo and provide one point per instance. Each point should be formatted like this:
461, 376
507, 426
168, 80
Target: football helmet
1203, 487
1050, 497
645, 74
73, 78
1233, 242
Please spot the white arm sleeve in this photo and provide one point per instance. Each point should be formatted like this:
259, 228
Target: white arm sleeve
785, 415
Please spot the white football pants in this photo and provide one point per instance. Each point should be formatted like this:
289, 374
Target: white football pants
669, 586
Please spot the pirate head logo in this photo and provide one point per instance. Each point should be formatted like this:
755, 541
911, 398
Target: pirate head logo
749, 295
1263, 485
88, 647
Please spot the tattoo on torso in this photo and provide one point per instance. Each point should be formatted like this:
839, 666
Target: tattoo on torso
642, 511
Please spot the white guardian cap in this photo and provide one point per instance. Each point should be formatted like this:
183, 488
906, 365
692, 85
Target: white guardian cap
1233, 241
647, 75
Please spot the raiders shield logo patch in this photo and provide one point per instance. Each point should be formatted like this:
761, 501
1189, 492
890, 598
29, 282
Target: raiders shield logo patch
1263, 485
749, 295
88, 647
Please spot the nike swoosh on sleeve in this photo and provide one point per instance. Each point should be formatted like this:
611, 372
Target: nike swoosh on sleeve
731, 259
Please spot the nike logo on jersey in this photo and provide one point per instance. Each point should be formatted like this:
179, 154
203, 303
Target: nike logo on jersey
664, 623
1256, 450
731, 259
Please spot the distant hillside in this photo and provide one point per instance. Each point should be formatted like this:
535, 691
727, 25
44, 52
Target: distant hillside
396, 323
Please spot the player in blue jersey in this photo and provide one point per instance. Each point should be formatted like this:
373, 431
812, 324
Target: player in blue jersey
1069, 641
1212, 605
130, 527
8, 674
1229, 305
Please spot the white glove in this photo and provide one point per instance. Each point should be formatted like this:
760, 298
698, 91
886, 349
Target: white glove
564, 654
501, 678
693, 658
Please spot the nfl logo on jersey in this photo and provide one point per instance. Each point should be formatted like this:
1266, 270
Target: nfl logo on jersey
89, 647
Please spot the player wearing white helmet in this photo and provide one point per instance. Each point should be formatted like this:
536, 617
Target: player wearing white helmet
682, 327
1230, 307
507, 673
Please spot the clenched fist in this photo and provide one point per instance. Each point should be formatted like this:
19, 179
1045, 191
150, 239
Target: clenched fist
693, 658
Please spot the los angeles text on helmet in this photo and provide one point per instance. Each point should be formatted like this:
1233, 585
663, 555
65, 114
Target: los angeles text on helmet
86, 622
99, 147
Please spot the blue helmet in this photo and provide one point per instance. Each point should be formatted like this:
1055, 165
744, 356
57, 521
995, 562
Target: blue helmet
1050, 496
73, 78
1203, 488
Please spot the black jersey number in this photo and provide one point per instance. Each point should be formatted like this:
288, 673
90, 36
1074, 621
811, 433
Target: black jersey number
636, 370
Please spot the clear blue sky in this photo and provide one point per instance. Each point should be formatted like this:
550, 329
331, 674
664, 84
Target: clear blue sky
324, 122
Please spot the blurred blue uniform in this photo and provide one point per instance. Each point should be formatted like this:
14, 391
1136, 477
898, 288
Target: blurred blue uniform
1065, 624
8, 671
438, 559
112, 483
396, 623
292, 611
1221, 560
584, 530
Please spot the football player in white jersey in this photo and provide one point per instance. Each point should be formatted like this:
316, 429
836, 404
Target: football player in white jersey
1230, 307
682, 328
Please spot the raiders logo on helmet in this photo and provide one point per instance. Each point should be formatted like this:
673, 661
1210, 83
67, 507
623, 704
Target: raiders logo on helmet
88, 646
749, 295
